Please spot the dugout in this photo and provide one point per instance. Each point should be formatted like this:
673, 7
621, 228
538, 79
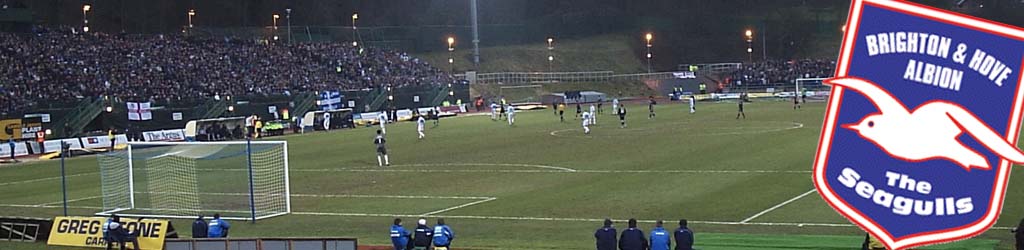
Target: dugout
572, 97
212, 129
335, 119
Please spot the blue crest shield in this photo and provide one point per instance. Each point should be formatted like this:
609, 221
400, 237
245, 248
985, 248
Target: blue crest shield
922, 123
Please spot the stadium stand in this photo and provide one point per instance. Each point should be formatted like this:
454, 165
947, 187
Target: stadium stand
773, 72
60, 64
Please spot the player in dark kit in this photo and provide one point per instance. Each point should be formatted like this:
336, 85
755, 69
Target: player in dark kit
381, 150
741, 110
650, 107
622, 116
796, 102
579, 111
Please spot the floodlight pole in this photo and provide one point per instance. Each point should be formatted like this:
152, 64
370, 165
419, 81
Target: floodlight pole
288, 19
476, 33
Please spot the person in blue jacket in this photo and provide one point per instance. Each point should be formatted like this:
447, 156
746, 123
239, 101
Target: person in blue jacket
632, 238
218, 228
399, 237
684, 237
606, 236
443, 235
659, 237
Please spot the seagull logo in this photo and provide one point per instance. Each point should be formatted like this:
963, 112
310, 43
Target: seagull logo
928, 132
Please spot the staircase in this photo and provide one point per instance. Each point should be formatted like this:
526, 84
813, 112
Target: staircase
379, 97
303, 103
213, 109
439, 98
84, 112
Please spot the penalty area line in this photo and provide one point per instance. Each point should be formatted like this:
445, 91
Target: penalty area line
459, 206
778, 206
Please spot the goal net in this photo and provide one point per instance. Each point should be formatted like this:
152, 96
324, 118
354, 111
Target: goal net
813, 88
521, 93
239, 180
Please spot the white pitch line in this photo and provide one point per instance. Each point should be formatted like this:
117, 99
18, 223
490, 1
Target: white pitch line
773, 224
551, 171
44, 179
457, 207
795, 125
391, 196
791, 224
72, 200
778, 206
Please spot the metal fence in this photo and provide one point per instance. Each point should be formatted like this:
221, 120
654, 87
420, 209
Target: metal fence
524, 78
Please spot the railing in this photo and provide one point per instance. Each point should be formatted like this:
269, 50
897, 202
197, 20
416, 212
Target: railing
262, 244
712, 67
521, 78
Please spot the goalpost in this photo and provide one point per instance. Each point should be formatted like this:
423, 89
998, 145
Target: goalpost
521, 93
241, 180
810, 85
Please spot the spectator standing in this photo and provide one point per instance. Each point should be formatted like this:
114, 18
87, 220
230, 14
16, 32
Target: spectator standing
132, 236
632, 238
443, 235
10, 142
199, 228
1020, 235
250, 126
424, 235
684, 237
399, 236
218, 228
606, 236
110, 136
659, 237
113, 232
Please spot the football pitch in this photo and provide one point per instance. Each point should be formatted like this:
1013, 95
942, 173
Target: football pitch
543, 184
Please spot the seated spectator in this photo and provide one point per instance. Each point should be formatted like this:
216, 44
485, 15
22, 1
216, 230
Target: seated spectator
61, 64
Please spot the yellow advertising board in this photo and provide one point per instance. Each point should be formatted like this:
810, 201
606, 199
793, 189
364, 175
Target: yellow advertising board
88, 232
11, 129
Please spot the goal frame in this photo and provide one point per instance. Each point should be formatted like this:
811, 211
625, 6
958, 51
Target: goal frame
252, 208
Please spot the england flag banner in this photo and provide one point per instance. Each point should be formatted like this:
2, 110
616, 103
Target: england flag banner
922, 123
139, 111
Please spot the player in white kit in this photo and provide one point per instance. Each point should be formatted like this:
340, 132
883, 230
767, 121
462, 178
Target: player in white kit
586, 122
511, 115
382, 118
593, 114
615, 104
693, 105
419, 126
494, 111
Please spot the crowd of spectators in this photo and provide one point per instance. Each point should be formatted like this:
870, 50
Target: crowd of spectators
773, 72
62, 64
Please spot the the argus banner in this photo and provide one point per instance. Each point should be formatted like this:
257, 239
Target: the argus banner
922, 123
88, 232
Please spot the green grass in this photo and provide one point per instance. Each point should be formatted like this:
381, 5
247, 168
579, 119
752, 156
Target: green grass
675, 166
598, 53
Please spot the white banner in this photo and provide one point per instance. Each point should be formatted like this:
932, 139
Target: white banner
51, 146
684, 75
164, 135
19, 150
101, 141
